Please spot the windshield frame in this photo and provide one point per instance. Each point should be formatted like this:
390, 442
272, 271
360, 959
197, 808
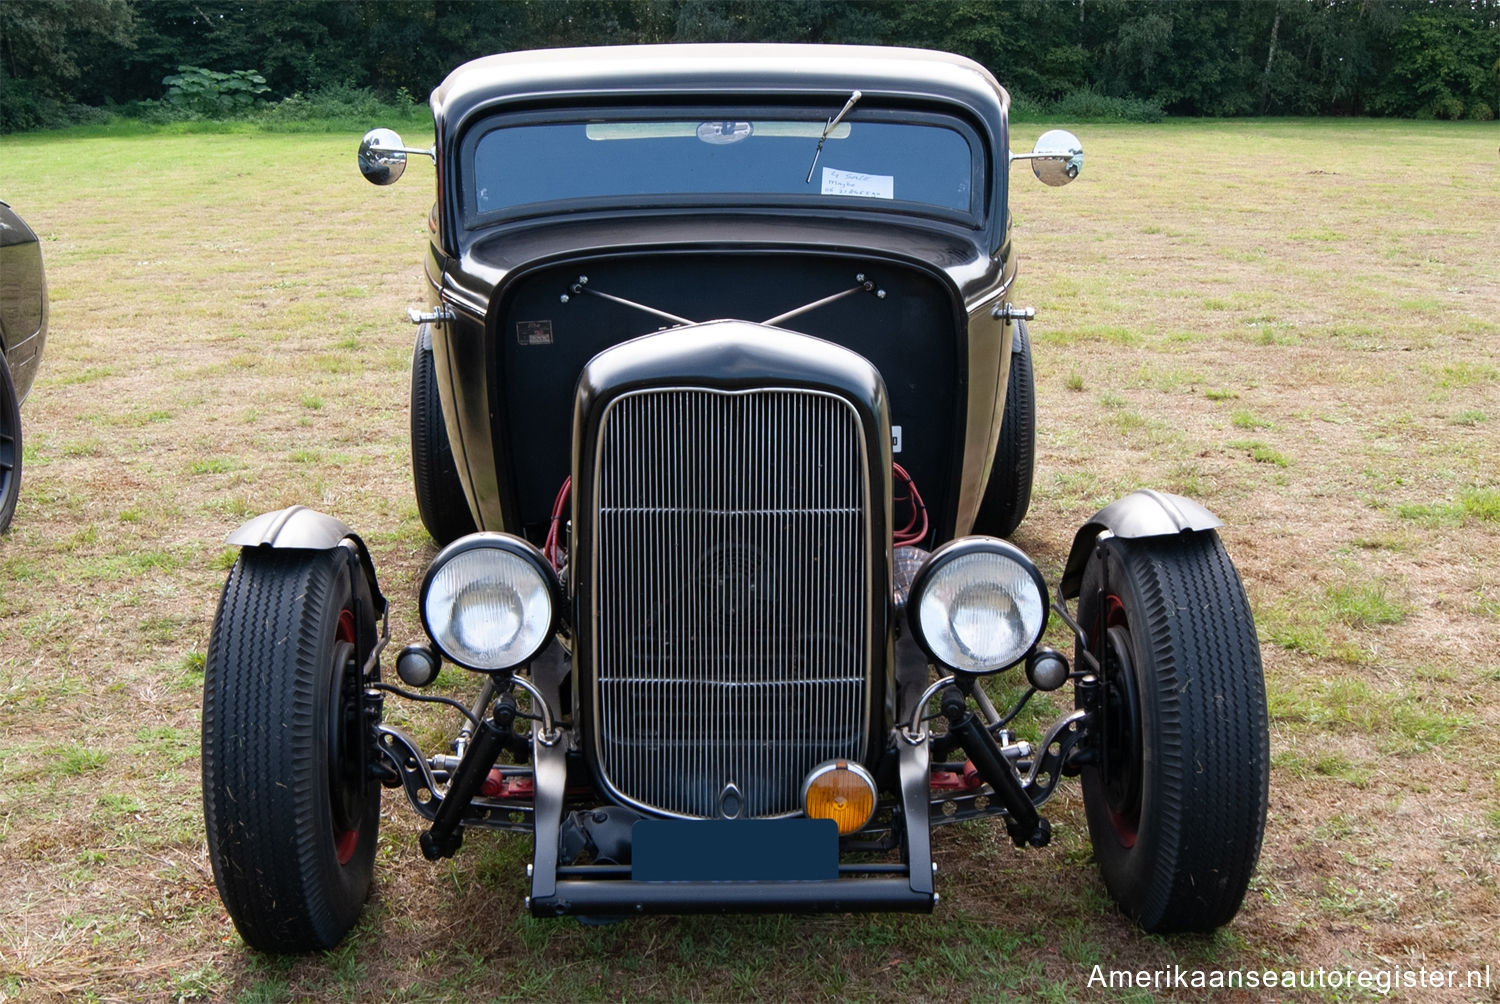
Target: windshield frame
981, 171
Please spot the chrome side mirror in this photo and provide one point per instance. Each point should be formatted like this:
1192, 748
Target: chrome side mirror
381, 159
382, 156
1056, 159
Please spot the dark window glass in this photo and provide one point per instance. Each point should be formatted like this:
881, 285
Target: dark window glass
762, 161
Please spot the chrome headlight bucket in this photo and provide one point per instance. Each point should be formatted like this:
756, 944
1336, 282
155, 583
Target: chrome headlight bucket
490, 601
978, 605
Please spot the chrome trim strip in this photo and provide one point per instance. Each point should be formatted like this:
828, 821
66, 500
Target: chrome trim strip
547, 733
550, 776
916, 730
914, 768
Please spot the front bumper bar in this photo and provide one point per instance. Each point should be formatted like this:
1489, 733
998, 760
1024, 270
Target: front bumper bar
604, 890
624, 897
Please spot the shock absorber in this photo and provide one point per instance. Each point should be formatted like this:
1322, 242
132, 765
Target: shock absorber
1024, 824
445, 836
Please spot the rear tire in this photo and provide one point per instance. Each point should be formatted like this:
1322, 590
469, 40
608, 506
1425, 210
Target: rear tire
10, 446
1176, 793
440, 494
292, 815
1007, 497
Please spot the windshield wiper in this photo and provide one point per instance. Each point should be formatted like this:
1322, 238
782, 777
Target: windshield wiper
833, 124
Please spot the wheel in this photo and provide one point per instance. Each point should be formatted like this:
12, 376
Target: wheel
1008, 494
291, 811
10, 446
440, 495
1175, 787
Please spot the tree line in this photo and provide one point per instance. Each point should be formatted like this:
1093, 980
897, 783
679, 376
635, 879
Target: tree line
1409, 58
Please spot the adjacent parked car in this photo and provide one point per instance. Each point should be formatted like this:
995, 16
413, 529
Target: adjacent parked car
722, 407
23, 333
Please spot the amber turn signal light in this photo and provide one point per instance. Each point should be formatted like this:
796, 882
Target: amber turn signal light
841, 791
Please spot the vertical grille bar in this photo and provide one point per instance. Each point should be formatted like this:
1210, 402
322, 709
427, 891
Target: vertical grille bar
732, 574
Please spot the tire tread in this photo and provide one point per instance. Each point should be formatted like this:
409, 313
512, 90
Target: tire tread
1210, 770
262, 787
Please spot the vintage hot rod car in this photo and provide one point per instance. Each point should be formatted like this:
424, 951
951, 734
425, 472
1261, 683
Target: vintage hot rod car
721, 407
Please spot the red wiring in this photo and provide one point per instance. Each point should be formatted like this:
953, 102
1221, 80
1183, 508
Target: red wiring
550, 550
915, 530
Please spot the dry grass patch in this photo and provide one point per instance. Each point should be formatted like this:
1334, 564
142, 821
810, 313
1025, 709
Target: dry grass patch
1288, 321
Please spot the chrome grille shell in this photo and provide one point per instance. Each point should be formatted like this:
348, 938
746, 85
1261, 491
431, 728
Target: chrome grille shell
732, 581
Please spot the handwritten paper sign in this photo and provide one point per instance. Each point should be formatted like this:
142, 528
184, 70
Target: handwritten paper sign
865, 186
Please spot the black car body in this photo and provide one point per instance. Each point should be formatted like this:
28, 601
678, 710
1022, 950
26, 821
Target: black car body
722, 406
710, 255
23, 333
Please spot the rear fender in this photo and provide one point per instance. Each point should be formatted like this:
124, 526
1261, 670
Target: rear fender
300, 528
1144, 513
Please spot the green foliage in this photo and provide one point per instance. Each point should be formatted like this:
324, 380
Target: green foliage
1088, 105
44, 45
213, 94
1260, 452
1447, 65
1479, 504
1099, 60
342, 106
1400, 721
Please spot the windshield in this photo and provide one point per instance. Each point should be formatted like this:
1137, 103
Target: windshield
753, 162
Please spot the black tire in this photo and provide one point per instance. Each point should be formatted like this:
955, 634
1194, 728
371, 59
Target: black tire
1176, 795
440, 495
291, 813
1008, 494
10, 446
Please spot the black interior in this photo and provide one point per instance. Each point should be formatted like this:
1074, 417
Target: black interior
911, 335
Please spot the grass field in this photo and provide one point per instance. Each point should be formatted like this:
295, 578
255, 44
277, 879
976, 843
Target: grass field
1294, 322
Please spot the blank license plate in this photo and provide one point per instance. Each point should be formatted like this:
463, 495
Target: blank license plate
734, 850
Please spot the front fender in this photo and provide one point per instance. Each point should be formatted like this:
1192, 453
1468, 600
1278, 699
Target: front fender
300, 528
1143, 513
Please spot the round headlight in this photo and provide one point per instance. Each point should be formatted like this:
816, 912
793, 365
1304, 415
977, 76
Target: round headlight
488, 601
978, 605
